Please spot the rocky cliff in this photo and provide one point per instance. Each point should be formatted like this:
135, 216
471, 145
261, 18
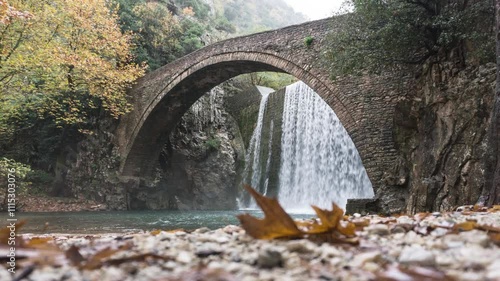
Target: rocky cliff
440, 124
441, 133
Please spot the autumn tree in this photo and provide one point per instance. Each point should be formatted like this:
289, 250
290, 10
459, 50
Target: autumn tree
62, 66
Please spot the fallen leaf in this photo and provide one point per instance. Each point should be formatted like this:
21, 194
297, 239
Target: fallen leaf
420, 216
465, 226
495, 238
489, 228
276, 223
101, 257
479, 208
40, 243
6, 231
74, 256
360, 223
155, 232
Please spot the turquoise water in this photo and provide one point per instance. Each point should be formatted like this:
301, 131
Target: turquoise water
127, 221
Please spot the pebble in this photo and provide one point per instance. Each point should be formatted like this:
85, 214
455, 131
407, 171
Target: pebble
184, 257
229, 254
301, 246
269, 258
377, 229
417, 255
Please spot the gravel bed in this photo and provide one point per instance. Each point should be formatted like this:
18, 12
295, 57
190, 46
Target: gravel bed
391, 248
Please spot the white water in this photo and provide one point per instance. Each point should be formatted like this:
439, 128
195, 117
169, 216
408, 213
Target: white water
253, 153
319, 162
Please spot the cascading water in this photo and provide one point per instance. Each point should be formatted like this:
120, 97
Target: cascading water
319, 162
254, 151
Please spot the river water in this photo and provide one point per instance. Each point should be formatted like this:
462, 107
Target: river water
127, 221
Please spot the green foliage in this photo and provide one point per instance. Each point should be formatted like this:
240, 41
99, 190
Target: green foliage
274, 80
190, 38
41, 182
222, 24
382, 34
308, 40
258, 15
213, 143
160, 36
200, 8
20, 174
60, 69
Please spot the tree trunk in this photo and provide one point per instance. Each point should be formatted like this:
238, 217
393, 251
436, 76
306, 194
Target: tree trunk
492, 182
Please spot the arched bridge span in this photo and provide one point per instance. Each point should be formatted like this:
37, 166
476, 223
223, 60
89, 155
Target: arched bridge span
161, 97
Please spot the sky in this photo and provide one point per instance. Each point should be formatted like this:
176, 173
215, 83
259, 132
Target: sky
315, 9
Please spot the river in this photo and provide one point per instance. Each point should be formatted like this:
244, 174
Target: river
127, 221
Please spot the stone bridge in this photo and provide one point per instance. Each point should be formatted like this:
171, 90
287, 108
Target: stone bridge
365, 105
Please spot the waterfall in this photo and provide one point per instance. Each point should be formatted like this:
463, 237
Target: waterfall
319, 162
253, 155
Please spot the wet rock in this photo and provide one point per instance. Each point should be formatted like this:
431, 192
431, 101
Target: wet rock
417, 255
360, 259
377, 229
269, 258
184, 257
301, 246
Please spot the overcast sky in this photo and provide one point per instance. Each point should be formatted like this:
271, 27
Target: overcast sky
315, 9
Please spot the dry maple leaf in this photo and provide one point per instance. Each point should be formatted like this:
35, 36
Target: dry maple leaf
6, 231
278, 224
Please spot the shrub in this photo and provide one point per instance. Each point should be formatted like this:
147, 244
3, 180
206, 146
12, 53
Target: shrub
213, 144
308, 41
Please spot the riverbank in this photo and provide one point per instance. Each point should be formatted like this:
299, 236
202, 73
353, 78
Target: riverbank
45, 203
438, 246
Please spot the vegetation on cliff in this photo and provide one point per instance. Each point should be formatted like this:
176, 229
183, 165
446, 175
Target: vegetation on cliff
62, 64
382, 34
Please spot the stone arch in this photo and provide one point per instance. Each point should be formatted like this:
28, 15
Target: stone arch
162, 111
365, 105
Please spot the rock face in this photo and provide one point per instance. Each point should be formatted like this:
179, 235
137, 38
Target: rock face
200, 164
87, 169
441, 133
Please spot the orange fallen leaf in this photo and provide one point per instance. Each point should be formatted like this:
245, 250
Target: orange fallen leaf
494, 208
276, 223
360, 224
74, 256
495, 238
329, 219
5, 233
155, 232
489, 228
479, 208
465, 226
